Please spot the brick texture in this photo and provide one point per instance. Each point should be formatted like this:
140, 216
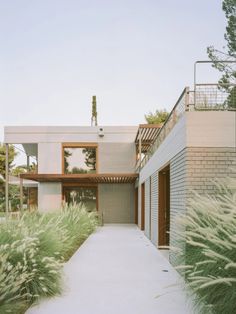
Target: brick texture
196, 169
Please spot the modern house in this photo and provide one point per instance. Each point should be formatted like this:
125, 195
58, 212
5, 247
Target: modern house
136, 174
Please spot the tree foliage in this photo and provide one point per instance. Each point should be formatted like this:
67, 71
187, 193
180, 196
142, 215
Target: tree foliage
90, 158
67, 154
12, 154
229, 53
80, 170
158, 117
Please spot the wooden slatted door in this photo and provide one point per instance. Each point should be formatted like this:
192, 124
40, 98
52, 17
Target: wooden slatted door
164, 206
143, 206
136, 206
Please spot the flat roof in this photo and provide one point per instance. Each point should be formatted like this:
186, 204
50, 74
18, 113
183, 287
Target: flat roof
59, 134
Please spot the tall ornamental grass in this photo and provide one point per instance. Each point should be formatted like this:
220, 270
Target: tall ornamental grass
33, 250
209, 259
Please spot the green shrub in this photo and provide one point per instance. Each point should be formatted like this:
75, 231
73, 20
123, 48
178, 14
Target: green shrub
70, 219
32, 252
12, 298
209, 258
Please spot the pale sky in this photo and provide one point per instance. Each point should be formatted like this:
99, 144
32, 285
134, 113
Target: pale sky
135, 56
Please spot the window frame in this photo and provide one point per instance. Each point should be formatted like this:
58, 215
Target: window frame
68, 185
78, 145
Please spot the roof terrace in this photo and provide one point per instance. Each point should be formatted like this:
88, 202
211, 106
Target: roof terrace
205, 97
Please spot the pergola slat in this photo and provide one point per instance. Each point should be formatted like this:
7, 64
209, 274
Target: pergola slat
149, 133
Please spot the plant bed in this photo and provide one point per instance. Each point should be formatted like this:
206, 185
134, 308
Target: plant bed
209, 259
33, 250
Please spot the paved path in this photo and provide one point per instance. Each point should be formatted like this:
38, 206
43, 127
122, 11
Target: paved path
117, 271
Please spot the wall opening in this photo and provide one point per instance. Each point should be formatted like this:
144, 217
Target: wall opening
142, 206
164, 206
136, 206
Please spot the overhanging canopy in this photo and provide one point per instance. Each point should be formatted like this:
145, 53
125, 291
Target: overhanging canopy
146, 135
82, 178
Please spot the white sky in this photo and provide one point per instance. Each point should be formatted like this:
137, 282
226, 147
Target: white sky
136, 56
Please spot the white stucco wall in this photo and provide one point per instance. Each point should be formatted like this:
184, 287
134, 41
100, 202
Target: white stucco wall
49, 196
59, 134
211, 129
50, 158
116, 157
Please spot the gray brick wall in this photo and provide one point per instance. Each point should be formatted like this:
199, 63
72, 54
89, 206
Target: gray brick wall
195, 169
192, 169
204, 165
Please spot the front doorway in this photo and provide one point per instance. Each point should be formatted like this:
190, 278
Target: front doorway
82, 195
164, 206
136, 206
142, 206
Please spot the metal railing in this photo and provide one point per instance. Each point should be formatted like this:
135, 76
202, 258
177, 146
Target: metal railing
205, 97
180, 107
215, 97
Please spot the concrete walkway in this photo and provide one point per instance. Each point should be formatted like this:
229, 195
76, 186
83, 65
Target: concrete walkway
118, 271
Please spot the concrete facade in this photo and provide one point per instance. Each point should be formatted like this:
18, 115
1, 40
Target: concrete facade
117, 202
115, 154
49, 196
116, 157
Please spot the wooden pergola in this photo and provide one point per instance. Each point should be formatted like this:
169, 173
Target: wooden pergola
82, 178
146, 136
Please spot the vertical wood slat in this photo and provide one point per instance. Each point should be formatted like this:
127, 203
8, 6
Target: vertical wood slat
163, 206
147, 207
136, 206
142, 206
154, 208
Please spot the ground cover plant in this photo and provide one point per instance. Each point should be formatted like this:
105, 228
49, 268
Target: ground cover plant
33, 250
209, 258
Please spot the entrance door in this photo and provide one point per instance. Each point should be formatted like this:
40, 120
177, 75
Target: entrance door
136, 206
164, 206
143, 206
81, 195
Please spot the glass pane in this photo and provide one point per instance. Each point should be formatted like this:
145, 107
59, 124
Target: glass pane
86, 196
79, 160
